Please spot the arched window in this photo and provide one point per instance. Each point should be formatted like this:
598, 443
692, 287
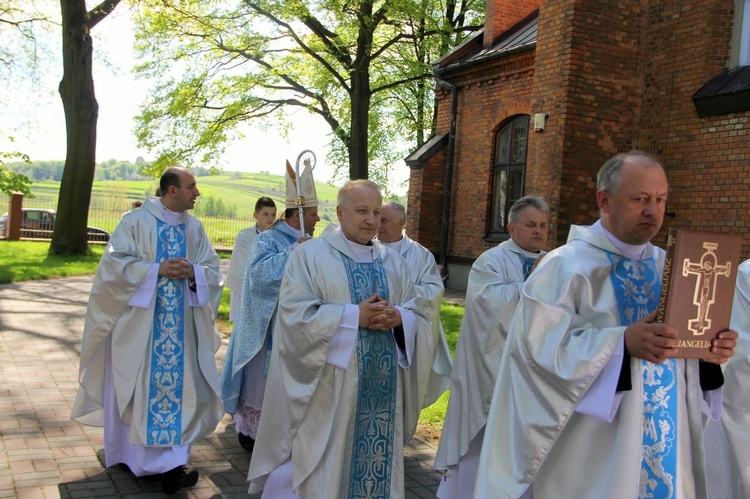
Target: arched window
509, 170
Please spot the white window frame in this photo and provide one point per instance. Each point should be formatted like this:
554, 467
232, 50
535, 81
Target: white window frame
740, 55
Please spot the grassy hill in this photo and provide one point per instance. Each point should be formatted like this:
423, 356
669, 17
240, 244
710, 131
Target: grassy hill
242, 188
233, 188
237, 192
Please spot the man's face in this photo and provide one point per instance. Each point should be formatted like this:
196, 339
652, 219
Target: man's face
359, 216
265, 218
185, 195
530, 230
391, 224
310, 218
635, 211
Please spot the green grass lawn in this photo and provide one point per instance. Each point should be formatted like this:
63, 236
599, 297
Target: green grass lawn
28, 260
431, 419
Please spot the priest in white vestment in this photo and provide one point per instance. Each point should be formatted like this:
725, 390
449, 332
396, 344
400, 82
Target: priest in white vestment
245, 369
736, 410
265, 216
590, 401
351, 347
147, 370
493, 290
429, 285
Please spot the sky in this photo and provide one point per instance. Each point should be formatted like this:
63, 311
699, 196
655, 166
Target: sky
34, 116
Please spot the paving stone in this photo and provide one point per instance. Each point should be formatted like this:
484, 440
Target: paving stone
44, 454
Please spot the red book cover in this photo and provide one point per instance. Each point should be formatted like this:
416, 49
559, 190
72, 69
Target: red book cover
697, 288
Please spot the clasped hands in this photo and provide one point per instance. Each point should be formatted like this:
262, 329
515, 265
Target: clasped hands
377, 314
656, 342
176, 268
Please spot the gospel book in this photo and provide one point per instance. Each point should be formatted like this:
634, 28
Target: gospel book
697, 287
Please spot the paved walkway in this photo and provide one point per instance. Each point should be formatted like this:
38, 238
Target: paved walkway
44, 454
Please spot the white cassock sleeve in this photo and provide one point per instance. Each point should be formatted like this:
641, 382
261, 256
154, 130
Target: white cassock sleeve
344, 339
199, 297
145, 291
601, 400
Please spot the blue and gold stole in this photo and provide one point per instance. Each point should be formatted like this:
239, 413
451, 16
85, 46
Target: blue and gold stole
168, 345
637, 287
377, 359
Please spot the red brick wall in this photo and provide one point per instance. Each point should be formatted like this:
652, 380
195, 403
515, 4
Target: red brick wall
707, 159
501, 16
425, 202
612, 76
589, 75
620, 75
487, 97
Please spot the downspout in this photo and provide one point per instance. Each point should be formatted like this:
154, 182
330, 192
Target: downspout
448, 176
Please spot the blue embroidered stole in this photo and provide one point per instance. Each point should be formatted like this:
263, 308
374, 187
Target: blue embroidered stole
377, 359
168, 345
526, 263
637, 287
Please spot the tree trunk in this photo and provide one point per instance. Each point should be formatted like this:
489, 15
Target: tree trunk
421, 98
358, 157
360, 96
81, 113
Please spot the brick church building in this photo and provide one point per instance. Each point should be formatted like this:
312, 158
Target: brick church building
535, 103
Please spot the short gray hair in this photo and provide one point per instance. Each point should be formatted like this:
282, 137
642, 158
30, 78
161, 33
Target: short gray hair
350, 185
608, 178
398, 207
526, 202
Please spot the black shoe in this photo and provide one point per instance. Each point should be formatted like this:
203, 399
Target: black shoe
177, 478
246, 441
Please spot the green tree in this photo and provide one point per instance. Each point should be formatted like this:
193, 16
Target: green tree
11, 181
217, 65
20, 61
14, 182
22, 48
81, 114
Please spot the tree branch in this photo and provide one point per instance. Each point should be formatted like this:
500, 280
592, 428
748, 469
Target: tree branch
393, 84
101, 11
346, 61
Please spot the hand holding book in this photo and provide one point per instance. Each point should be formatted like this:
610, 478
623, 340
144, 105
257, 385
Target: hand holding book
722, 347
656, 342
649, 340
698, 283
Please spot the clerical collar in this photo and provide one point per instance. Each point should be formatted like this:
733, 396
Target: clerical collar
295, 231
171, 217
362, 253
629, 250
529, 254
396, 245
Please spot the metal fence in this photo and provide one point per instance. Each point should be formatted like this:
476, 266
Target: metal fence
105, 212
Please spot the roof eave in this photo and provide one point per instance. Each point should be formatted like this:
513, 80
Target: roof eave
474, 62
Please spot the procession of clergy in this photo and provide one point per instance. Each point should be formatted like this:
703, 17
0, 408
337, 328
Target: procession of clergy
563, 385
